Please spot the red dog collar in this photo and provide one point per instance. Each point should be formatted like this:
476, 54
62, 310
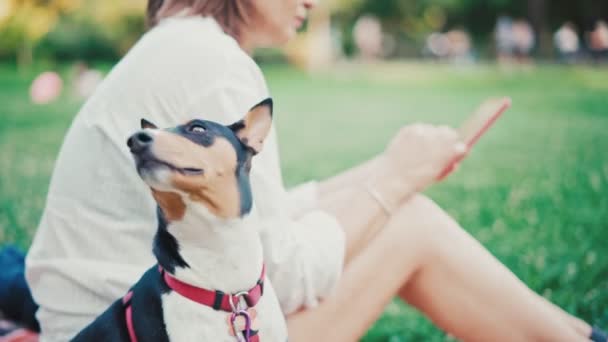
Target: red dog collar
218, 300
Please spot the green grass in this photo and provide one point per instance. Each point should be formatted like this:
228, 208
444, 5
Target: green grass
534, 191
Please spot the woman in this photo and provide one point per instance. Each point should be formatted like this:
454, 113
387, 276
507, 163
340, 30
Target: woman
94, 236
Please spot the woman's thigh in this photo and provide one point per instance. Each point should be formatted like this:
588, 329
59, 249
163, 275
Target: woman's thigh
370, 280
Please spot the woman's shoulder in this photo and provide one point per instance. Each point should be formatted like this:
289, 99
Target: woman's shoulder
199, 42
181, 66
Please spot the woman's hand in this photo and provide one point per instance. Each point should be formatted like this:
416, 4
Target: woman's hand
419, 152
415, 157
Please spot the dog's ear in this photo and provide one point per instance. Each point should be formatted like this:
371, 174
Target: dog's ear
255, 126
147, 124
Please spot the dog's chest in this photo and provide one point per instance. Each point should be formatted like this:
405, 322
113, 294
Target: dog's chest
187, 321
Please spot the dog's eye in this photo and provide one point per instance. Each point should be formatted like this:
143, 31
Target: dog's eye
196, 129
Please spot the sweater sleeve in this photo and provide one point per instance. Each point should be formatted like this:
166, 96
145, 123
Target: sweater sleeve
303, 246
305, 253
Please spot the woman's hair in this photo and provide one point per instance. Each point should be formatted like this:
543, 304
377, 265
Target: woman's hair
230, 14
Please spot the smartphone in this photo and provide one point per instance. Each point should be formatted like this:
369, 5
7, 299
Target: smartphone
476, 125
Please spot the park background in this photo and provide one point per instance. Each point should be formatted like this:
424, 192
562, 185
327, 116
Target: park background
534, 191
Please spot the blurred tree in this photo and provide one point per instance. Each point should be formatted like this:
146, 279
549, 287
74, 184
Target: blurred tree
92, 29
98, 30
23, 23
69, 28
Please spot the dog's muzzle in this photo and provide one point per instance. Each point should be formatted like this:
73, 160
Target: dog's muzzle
139, 142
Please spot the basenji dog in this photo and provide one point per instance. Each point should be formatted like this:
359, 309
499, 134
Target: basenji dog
209, 284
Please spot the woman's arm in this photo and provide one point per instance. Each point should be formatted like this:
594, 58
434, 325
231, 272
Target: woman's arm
347, 178
362, 198
360, 213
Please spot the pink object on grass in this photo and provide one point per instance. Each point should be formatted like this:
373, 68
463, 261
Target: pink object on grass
46, 87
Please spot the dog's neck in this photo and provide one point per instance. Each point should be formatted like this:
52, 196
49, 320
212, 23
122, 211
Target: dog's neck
206, 251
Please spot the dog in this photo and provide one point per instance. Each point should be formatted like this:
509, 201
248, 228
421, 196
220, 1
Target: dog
209, 284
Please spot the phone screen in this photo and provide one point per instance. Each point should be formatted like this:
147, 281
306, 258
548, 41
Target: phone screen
483, 118
476, 125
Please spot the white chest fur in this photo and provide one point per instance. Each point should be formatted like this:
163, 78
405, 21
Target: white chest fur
222, 255
188, 321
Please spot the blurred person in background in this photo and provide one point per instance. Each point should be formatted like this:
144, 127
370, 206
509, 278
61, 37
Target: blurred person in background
336, 250
453, 46
85, 80
523, 40
598, 42
368, 37
437, 46
503, 35
567, 43
461, 47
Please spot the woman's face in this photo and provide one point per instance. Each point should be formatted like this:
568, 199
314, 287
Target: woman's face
274, 22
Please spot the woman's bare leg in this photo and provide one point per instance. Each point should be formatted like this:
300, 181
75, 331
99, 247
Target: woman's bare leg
424, 256
337, 194
582, 327
471, 295
369, 282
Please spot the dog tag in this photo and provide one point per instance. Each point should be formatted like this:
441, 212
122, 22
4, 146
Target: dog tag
247, 331
238, 321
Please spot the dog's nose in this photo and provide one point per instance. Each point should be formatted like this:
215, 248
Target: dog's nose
139, 141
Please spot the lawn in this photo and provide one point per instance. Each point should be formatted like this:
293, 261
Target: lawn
534, 191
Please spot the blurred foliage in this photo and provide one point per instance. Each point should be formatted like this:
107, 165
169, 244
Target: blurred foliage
409, 22
69, 28
88, 29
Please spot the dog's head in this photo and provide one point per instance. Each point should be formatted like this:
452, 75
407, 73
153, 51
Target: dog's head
202, 162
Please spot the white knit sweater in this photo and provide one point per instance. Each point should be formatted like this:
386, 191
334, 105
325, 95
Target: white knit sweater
95, 236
